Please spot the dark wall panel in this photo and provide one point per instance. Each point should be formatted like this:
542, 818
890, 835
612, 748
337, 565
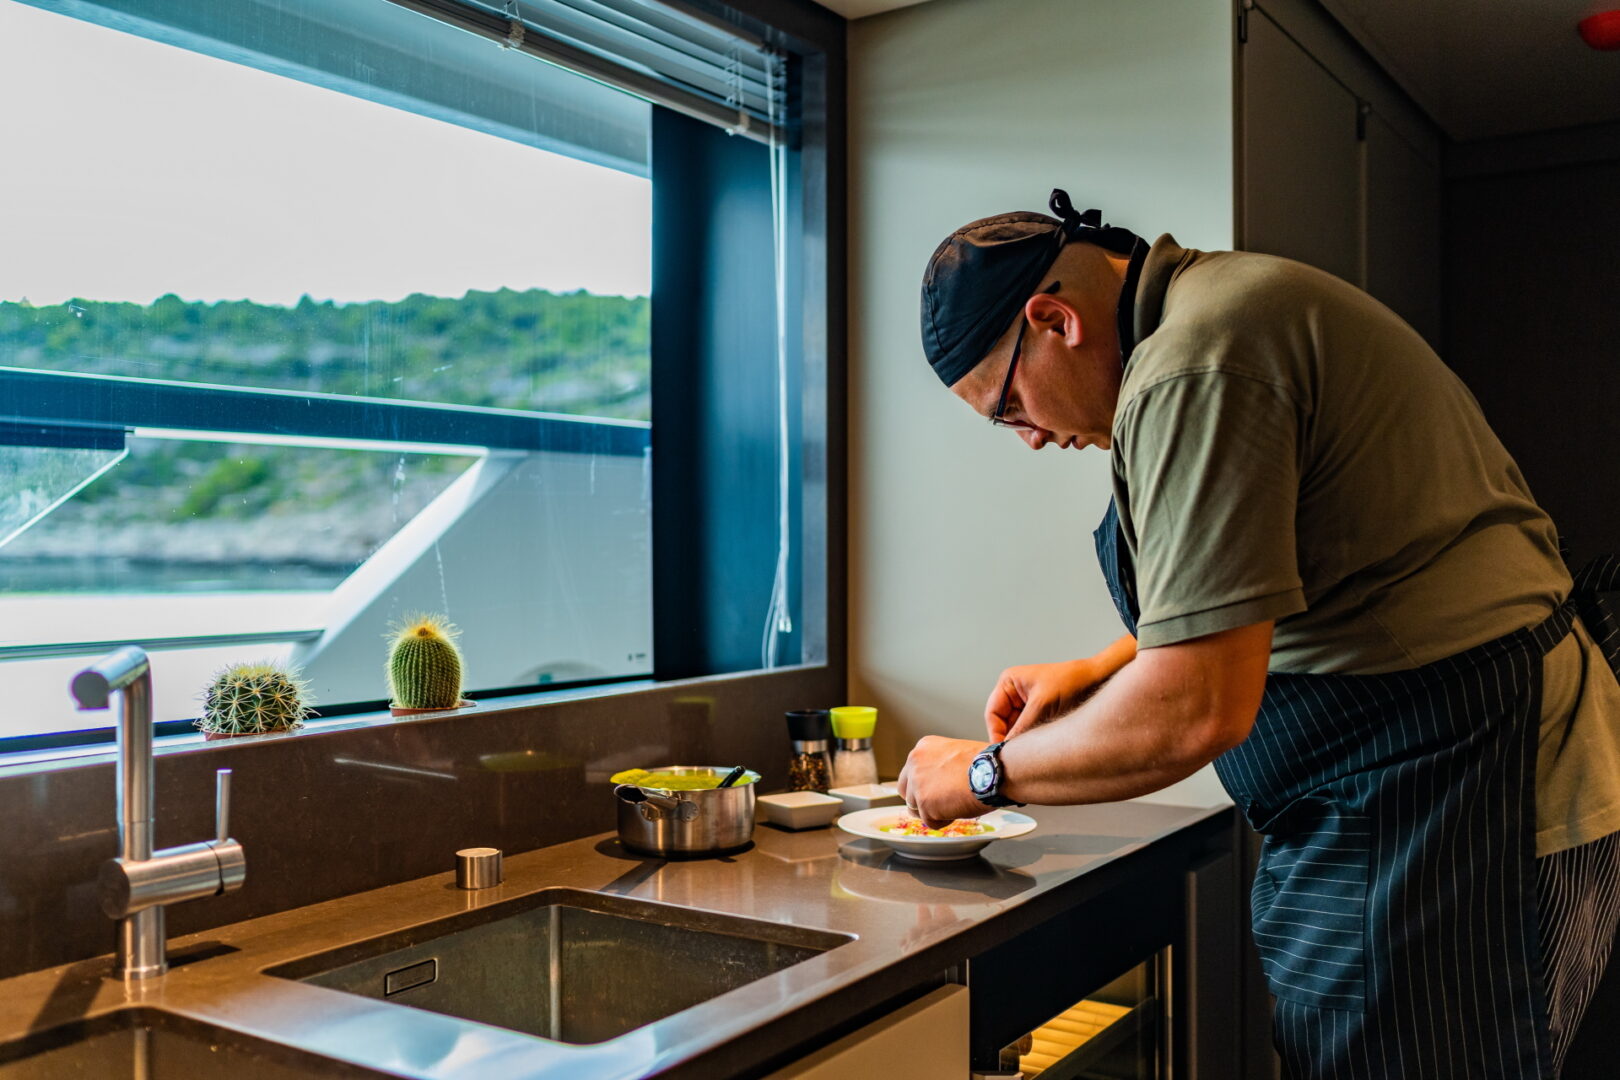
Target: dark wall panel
1533, 327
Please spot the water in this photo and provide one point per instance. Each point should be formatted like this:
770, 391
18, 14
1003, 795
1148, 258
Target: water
113, 574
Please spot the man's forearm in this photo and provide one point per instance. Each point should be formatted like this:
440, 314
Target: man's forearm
1160, 718
1123, 742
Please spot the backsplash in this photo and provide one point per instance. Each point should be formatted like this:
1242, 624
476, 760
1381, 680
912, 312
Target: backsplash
326, 813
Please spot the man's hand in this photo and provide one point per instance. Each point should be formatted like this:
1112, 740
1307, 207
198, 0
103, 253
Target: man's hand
1032, 694
934, 782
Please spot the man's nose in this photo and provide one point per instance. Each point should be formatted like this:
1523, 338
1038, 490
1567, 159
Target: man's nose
1035, 438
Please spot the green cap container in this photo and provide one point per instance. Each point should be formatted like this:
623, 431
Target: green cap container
854, 721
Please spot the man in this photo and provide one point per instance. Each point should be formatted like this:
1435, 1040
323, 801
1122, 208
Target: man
1338, 588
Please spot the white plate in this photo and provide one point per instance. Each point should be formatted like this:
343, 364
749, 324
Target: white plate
869, 824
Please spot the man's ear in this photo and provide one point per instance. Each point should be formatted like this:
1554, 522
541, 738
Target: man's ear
1047, 312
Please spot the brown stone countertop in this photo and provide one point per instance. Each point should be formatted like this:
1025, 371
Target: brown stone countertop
909, 922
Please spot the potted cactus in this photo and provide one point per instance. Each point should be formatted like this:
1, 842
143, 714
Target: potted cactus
424, 667
253, 699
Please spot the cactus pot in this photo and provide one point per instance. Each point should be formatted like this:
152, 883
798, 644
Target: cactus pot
395, 710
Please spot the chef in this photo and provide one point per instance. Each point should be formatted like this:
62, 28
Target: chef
1336, 587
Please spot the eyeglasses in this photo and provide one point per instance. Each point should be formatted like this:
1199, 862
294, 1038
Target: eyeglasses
998, 418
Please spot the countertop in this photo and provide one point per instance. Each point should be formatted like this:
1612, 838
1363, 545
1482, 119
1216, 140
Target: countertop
909, 923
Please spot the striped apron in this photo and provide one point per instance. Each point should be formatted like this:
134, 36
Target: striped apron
1395, 904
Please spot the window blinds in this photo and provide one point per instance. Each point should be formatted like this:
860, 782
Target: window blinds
386, 51
694, 64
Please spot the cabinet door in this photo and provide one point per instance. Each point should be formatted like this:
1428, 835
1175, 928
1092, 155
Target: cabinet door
1403, 228
926, 1040
1301, 156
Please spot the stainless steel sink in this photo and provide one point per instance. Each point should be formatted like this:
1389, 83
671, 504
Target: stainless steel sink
149, 1044
577, 967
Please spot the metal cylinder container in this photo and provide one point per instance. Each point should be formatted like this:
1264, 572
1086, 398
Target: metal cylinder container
707, 821
479, 868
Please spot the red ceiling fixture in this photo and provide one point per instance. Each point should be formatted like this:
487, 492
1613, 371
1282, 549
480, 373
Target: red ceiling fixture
1601, 31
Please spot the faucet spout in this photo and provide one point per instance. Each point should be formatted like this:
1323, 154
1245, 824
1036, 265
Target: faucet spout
129, 673
93, 687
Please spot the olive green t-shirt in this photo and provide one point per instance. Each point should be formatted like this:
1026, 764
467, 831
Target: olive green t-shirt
1286, 448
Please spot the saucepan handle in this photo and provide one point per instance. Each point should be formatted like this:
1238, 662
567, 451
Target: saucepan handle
654, 806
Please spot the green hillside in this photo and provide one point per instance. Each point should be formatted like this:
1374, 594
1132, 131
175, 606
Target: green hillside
570, 352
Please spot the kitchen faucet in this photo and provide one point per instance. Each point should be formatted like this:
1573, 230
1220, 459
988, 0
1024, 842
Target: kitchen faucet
139, 882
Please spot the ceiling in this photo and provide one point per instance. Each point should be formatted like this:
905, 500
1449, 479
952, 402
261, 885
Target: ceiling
1484, 68
1479, 68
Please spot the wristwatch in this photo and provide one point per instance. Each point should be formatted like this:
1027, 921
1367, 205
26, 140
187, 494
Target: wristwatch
986, 777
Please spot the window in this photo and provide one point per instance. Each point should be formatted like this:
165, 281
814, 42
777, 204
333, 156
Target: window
318, 315
246, 278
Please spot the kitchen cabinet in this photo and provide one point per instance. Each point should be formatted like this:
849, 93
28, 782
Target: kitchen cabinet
1336, 169
1402, 226
1301, 160
925, 1040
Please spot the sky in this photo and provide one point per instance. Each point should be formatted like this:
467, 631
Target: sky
130, 169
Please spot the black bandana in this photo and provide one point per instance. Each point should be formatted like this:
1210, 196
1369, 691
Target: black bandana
979, 278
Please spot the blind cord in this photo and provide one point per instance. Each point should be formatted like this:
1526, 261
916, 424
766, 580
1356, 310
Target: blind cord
779, 616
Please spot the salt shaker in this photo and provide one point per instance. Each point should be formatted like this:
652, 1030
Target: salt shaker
854, 762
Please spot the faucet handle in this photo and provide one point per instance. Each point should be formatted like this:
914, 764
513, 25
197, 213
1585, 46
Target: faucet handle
231, 859
222, 805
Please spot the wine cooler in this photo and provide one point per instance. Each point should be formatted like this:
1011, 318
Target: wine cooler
1137, 982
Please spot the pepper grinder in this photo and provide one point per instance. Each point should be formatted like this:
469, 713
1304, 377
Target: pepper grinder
810, 767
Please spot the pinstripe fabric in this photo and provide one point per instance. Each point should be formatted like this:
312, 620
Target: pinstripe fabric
1601, 575
1578, 893
1395, 904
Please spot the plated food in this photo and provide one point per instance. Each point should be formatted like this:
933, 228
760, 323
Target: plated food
962, 839
910, 826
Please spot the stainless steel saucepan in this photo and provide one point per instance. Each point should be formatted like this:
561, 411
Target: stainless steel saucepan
705, 821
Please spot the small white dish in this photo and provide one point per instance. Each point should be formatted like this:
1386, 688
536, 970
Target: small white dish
1005, 825
866, 796
799, 809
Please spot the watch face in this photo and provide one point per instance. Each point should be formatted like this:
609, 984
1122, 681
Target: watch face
982, 775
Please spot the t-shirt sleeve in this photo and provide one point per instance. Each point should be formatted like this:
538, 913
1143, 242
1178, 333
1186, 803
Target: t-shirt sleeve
1210, 466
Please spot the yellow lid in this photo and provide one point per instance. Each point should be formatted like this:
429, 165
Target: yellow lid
854, 721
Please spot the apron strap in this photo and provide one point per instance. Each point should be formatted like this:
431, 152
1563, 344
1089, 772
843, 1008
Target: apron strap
1601, 575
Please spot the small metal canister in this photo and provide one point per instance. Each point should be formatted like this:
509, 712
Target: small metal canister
708, 821
479, 868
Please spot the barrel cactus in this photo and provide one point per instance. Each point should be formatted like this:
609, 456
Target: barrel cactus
424, 665
251, 699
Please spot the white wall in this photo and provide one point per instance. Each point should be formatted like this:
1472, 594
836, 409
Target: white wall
969, 553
